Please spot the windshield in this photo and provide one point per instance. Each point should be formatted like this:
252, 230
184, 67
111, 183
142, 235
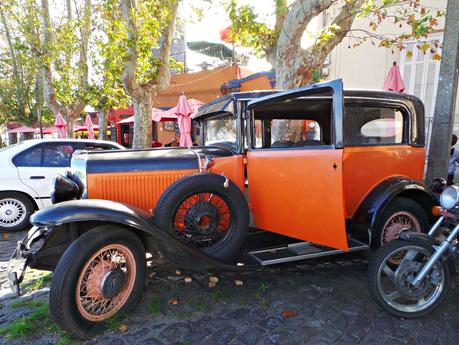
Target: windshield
220, 130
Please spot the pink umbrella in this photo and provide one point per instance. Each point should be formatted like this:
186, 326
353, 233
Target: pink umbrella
394, 80
61, 126
183, 112
89, 126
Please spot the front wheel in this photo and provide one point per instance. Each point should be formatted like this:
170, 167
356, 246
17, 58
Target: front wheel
394, 266
100, 274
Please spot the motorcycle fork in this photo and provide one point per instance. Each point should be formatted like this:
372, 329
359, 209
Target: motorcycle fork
438, 252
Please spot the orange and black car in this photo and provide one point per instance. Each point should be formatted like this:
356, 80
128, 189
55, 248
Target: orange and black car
277, 177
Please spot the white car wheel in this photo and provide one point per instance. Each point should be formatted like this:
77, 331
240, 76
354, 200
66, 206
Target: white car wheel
15, 211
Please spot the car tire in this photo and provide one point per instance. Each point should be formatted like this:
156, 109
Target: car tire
15, 211
402, 214
86, 274
216, 223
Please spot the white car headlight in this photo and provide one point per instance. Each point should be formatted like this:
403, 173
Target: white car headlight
449, 197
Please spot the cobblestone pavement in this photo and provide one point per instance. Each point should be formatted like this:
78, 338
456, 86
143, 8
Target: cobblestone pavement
327, 301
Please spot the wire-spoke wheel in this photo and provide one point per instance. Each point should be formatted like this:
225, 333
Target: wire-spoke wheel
206, 211
15, 211
402, 214
106, 282
397, 223
202, 219
390, 284
101, 273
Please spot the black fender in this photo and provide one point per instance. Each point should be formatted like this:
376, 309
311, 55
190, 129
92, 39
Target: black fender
427, 240
76, 212
367, 215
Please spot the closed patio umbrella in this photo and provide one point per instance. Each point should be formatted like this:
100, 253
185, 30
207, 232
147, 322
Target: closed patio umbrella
394, 81
61, 126
89, 126
183, 112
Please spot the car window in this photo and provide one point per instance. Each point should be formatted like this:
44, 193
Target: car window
374, 126
29, 158
96, 147
57, 155
220, 130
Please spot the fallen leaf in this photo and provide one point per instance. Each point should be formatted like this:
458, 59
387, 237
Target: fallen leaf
188, 279
123, 328
212, 285
213, 279
178, 272
173, 301
6, 237
238, 282
288, 313
152, 275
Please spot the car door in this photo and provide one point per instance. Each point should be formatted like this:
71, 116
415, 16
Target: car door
294, 164
38, 165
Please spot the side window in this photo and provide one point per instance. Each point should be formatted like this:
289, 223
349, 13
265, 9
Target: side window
297, 123
96, 147
373, 126
29, 158
57, 155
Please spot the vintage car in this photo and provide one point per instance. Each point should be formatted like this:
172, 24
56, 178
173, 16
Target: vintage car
279, 177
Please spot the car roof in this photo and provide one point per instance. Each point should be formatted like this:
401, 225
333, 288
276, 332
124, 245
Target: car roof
32, 142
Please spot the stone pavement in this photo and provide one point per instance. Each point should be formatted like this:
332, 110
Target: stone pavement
316, 302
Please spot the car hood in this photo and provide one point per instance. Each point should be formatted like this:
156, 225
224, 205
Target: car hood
146, 160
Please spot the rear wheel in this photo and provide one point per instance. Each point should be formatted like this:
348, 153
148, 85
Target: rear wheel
207, 212
15, 211
402, 214
101, 274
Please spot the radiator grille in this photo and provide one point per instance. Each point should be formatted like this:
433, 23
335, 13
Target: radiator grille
140, 189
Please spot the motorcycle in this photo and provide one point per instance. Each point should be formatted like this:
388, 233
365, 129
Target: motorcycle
410, 276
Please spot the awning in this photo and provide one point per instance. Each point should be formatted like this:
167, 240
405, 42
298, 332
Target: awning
22, 129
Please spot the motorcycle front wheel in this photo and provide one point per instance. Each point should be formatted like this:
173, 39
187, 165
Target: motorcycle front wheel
394, 266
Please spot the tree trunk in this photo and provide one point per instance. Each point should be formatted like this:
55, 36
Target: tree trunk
143, 110
103, 124
440, 142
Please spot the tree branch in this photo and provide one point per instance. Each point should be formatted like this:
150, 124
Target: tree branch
130, 60
164, 53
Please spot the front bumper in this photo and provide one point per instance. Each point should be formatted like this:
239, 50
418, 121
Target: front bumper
22, 256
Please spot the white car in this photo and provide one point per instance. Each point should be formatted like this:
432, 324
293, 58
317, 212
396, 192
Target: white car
26, 172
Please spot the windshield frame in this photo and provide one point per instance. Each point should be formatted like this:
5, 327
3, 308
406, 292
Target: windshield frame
236, 147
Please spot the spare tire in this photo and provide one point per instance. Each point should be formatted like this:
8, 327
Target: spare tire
206, 211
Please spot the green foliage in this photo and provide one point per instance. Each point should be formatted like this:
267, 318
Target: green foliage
154, 306
247, 30
37, 321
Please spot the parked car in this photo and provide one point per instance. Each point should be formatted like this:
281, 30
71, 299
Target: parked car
27, 171
279, 177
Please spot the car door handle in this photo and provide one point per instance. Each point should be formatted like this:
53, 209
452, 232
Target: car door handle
37, 177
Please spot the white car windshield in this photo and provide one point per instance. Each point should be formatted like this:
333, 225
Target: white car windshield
221, 130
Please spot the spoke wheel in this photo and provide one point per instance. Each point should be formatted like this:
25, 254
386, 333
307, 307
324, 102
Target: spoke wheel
100, 274
106, 282
398, 222
390, 283
202, 219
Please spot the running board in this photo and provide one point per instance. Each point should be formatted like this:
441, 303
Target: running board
301, 251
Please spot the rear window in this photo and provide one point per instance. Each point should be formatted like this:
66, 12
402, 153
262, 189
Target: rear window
373, 126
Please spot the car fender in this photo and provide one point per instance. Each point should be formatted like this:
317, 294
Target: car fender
367, 215
105, 211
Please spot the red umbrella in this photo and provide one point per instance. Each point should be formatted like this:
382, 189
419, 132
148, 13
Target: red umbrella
61, 126
89, 125
183, 112
394, 81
